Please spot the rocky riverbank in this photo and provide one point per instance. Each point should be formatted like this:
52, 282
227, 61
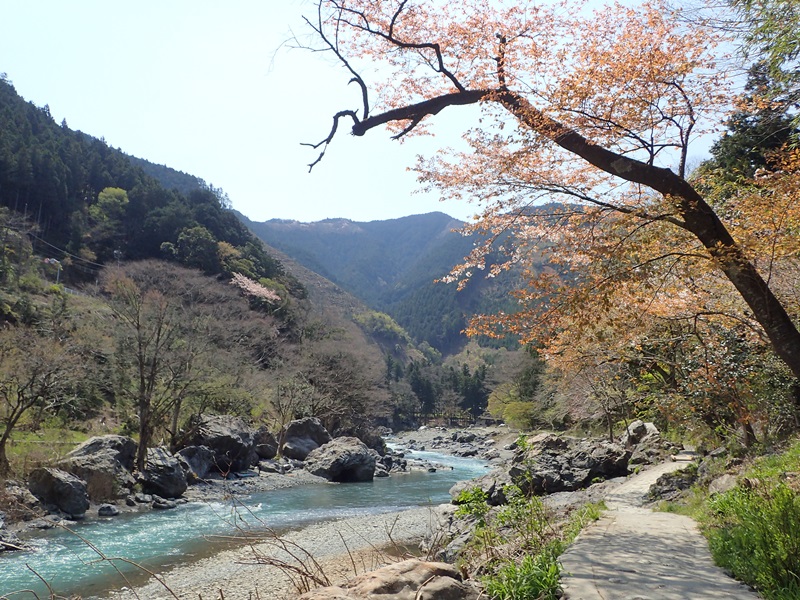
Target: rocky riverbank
348, 548
222, 457
570, 471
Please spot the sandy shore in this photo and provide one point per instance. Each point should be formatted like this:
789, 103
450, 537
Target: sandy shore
342, 549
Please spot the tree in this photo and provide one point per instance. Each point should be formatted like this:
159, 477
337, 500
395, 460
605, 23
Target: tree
36, 372
598, 110
184, 343
771, 35
197, 248
150, 333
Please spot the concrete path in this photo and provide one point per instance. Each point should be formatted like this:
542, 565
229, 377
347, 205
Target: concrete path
633, 553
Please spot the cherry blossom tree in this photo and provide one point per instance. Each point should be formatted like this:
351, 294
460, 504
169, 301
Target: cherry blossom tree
594, 109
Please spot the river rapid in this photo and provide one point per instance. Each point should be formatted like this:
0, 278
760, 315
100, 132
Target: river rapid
70, 560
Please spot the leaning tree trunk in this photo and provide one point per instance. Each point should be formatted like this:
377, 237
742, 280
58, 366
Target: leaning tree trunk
698, 217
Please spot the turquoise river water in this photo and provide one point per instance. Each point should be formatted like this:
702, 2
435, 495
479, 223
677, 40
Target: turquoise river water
155, 539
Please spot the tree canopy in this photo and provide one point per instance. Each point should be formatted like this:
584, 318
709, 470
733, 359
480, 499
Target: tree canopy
596, 109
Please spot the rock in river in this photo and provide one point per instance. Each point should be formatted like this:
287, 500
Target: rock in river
60, 489
345, 459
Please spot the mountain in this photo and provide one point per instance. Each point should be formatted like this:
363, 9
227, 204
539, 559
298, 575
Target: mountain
92, 204
392, 266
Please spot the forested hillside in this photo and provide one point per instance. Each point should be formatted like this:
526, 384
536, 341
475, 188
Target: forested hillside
133, 300
393, 266
91, 204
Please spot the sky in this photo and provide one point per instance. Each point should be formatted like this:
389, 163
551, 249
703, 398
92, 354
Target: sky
212, 89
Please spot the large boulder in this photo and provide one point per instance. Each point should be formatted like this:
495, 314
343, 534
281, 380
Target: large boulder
197, 462
671, 486
345, 459
58, 488
557, 464
411, 579
163, 474
105, 464
266, 446
230, 438
549, 463
302, 436
636, 431
19, 504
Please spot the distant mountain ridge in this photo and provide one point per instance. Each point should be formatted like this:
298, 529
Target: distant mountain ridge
391, 265
368, 256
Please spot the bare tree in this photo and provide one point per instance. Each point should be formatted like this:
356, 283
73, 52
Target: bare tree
35, 373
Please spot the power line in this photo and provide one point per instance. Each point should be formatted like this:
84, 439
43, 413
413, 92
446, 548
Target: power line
75, 256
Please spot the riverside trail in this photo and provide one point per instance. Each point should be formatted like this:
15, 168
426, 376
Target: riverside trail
634, 553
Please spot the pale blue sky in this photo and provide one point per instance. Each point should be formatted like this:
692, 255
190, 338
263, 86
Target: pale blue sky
203, 87
210, 88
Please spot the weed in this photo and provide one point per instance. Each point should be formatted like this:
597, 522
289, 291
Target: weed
536, 576
472, 502
752, 529
755, 536
516, 546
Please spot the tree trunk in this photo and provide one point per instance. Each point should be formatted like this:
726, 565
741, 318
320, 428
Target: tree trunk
5, 467
699, 219
145, 433
173, 435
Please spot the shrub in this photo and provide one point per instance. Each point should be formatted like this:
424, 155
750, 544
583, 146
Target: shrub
535, 578
755, 535
753, 529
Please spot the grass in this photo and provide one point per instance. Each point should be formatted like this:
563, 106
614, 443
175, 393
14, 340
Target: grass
517, 546
753, 530
29, 450
536, 577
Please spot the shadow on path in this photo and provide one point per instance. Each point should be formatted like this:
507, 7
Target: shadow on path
633, 553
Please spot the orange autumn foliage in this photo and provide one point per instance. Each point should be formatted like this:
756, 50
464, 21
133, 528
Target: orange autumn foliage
597, 111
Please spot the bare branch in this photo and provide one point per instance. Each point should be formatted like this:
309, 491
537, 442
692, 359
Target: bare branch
420, 110
325, 142
319, 30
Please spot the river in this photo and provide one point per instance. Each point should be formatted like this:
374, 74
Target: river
68, 560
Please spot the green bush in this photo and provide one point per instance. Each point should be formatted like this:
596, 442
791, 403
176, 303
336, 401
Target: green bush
755, 533
536, 577
472, 502
518, 544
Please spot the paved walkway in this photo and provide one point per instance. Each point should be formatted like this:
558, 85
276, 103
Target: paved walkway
633, 553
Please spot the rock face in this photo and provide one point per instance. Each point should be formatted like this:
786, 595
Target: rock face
231, 440
197, 462
492, 484
408, 580
266, 446
646, 444
60, 489
302, 436
163, 474
671, 486
550, 463
345, 459
105, 464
